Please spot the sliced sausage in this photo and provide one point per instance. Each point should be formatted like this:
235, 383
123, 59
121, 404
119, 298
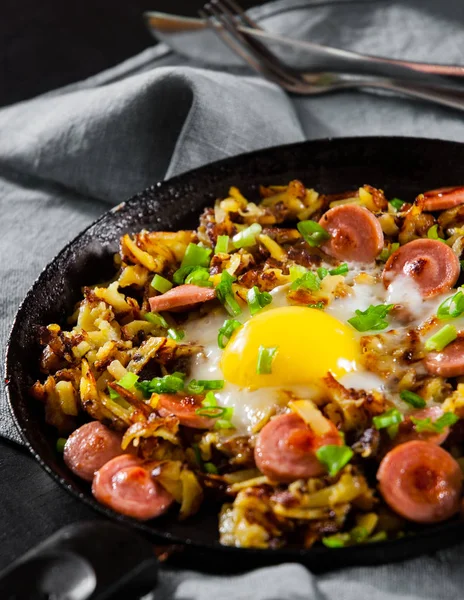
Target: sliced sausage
407, 430
421, 482
356, 234
183, 407
127, 487
430, 263
183, 296
286, 446
441, 199
447, 363
90, 447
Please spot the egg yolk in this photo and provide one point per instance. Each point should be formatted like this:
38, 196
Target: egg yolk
309, 343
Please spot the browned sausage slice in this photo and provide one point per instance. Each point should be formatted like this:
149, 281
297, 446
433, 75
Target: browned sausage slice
356, 233
407, 431
183, 296
90, 447
421, 482
183, 407
447, 363
127, 487
441, 199
430, 263
286, 446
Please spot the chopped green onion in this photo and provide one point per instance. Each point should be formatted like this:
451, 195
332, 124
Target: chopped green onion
380, 536
442, 338
198, 387
223, 424
371, 319
181, 274
169, 384
446, 420
257, 300
319, 305
338, 540
196, 256
313, 233
160, 284
226, 331
156, 319
340, 270
113, 393
176, 334
265, 358
388, 418
309, 281
452, 307
199, 276
432, 233
413, 399
388, 251
222, 244
297, 271
392, 430
226, 295
323, 272
193, 387
128, 381
213, 412
60, 444
359, 534
397, 203
247, 237
209, 401
334, 457
211, 468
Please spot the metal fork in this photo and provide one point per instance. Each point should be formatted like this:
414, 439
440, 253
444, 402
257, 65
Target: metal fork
224, 17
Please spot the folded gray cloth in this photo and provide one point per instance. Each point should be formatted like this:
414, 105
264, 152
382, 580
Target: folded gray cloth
67, 156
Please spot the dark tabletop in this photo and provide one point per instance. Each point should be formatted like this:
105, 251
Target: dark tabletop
44, 45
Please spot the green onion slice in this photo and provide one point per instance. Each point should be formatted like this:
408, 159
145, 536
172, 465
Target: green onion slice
60, 444
432, 233
196, 256
181, 274
247, 237
413, 399
397, 203
199, 276
128, 381
199, 386
313, 233
156, 319
441, 339
297, 271
223, 424
176, 334
371, 319
388, 418
388, 251
113, 393
226, 331
265, 358
257, 300
340, 270
452, 307
323, 272
211, 468
169, 384
209, 400
319, 305
222, 244
226, 295
334, 458
309, 281
160, 284
446, 420
213, 412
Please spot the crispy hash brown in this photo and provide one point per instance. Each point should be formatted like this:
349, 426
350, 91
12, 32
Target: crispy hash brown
306, 464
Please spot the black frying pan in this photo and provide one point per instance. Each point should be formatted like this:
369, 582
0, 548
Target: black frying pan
402, 167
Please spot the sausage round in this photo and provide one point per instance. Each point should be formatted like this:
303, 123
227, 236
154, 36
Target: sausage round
183, 296
356, 234
447, 363
124, 485
421, 482
90, 447
286, 446
183, 407
407, 431
431, 264
441, 199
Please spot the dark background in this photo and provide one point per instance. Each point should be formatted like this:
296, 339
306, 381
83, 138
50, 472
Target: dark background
45, 44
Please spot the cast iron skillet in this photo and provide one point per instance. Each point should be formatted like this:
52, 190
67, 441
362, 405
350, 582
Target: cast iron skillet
400, 166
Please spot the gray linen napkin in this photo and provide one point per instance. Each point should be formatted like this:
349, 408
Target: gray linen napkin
67, 156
